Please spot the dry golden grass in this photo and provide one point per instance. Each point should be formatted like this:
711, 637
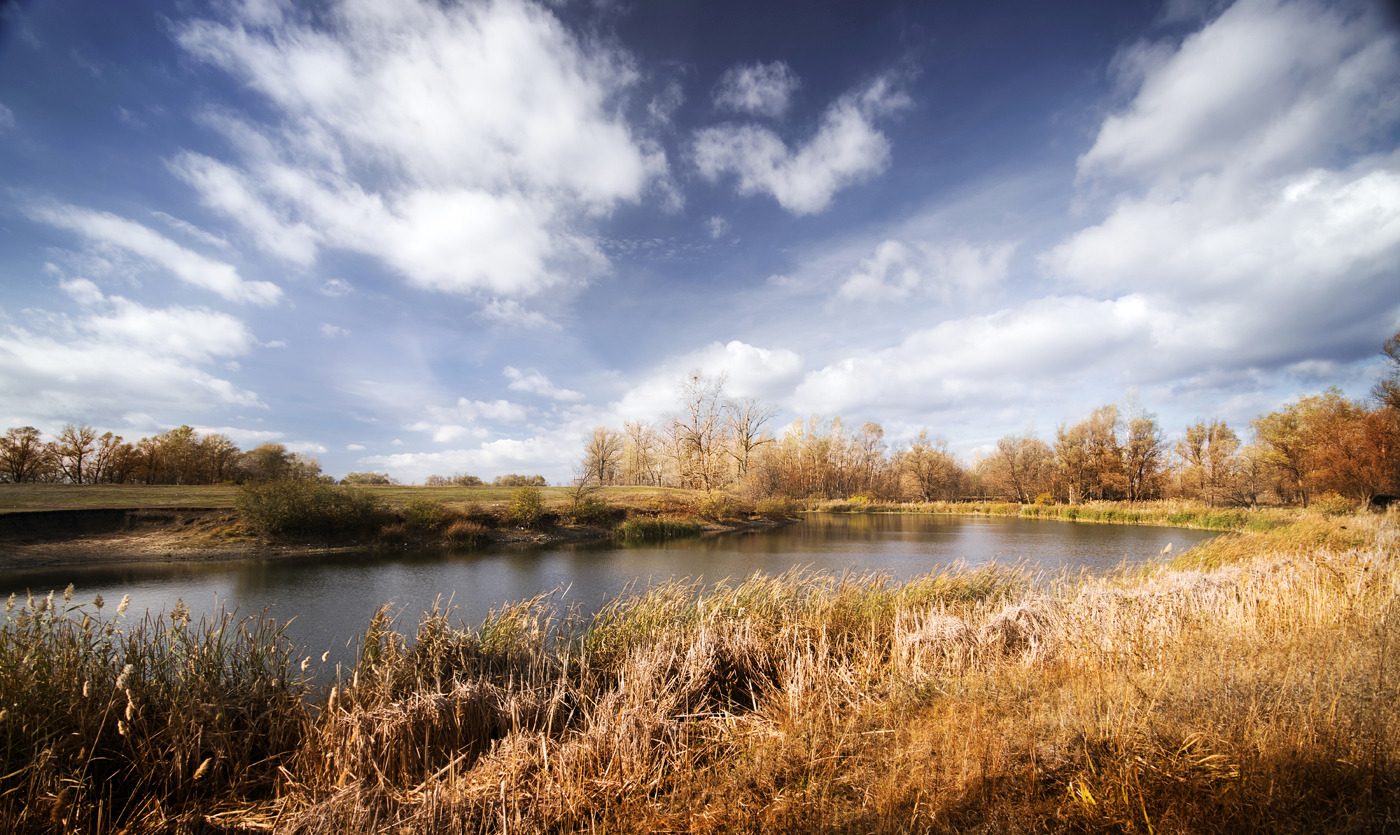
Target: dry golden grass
1254, 689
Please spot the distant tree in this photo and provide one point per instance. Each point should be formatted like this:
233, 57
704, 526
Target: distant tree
1143, 454
367, 478
602, 456
697, 431
1387, 389
216, 455
1090, 458
75, 448
1021, 468
745, 419
1209, 455
641, 461
23, 455
515, 480
930, 469
114, 460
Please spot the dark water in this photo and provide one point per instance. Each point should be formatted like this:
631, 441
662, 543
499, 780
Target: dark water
332, 598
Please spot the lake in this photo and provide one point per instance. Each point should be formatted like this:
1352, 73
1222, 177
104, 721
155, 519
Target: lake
333, 597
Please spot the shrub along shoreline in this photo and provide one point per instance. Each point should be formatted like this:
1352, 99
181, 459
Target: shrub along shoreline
1250, 686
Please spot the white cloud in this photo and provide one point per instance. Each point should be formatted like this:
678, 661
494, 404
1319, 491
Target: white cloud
1268, 86
117, 352
465, 145
109, 230
1245, 222
534, 382
846, 150
330, 331
766, 373
467, 419
226, 190
336, 288
898, 270
536, 454
717, 226
354, 447
306, 447
7, 118
757, 89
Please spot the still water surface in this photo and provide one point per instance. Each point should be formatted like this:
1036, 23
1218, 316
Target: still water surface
332, 598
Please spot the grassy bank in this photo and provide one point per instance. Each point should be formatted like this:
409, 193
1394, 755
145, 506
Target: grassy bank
1253, 686
1172, 513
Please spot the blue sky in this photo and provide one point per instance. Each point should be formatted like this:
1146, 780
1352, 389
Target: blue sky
423, 237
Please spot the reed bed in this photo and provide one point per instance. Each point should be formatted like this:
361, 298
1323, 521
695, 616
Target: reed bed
1252, 690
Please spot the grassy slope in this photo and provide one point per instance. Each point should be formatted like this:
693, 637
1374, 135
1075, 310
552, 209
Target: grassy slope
1251, 687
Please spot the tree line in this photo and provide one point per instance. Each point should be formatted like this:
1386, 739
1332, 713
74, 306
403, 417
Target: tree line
1316, 445
79, 455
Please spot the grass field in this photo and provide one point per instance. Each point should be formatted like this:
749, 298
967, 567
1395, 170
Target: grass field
15, 497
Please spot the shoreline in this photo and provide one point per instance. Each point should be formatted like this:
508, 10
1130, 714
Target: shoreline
186, 535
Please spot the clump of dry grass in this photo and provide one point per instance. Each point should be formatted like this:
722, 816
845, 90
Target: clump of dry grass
107, 724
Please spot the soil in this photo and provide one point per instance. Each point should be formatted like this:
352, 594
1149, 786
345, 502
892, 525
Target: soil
87, 537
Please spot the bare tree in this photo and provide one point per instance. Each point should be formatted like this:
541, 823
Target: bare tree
931, 469
696, 431
75, 448
602, 455
746, 419
1143, 453
23, 456
641, 463
1209, 454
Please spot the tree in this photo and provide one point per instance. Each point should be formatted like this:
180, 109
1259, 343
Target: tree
930, 469
1090, 458
75, 448
1022, 467
23, 455
1387, 389
363, 479
695, 431
1209, 453
602, 455
745, 419
641, 463
1143, 451
266, 462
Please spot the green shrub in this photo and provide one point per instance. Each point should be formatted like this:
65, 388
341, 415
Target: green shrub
526, 506
428, 515
308, 508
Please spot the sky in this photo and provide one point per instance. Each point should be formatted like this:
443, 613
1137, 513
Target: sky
423, 237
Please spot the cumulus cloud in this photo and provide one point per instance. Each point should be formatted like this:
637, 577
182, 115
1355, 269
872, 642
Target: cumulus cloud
536, 454
534, 382
757, 89
116, 352
847, 149
1233, 197
749, 371
329, 331
467, 419
464, 145
1267, 86
111, 231
898, 270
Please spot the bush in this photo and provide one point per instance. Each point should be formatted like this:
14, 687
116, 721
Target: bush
1332, 504
526, 506
428, 515
777, 508
308, 508
717, 506
465, 533
640, 529
592, 510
